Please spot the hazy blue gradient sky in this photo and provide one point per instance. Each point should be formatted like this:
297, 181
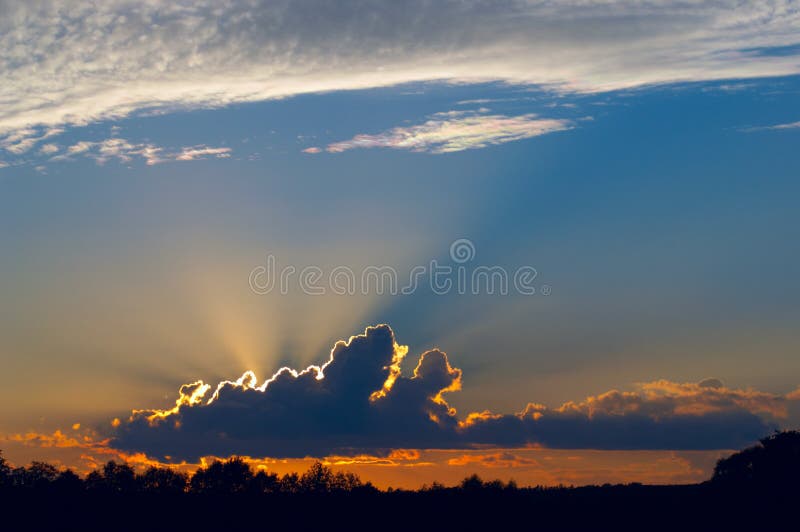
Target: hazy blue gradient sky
667, 230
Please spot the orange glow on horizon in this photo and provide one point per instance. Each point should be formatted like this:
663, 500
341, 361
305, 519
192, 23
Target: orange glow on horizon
407, 468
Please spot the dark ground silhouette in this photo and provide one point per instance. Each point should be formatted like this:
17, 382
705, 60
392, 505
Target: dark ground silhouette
752, 489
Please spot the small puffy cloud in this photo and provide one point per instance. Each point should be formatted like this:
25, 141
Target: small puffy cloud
49, 149
23, 140
117, 148
453, 131
360, 402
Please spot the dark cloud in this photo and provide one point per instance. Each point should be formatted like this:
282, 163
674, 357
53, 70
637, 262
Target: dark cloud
356, 401
359, 401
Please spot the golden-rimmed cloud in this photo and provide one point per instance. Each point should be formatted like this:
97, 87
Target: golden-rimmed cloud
359, 402
493, 460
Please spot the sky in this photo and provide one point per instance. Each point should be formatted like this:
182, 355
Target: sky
190, 191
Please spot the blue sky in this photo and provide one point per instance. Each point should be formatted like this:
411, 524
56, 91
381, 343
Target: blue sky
647, 170
661, 221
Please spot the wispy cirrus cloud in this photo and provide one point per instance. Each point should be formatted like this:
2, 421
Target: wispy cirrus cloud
80, 62
773, 127
454, 131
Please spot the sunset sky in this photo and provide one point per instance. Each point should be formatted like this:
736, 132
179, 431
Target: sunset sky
637, 160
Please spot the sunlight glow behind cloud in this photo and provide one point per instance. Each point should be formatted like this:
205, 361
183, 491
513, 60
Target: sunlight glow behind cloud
359, 402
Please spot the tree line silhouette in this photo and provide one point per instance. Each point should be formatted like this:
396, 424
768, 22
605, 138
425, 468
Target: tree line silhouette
773, 463
746, 487
222, 477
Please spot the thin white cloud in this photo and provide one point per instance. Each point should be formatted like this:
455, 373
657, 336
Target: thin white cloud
201, 152
75, 62
790, 125
774, 127
484, 101
125, 151
454, 131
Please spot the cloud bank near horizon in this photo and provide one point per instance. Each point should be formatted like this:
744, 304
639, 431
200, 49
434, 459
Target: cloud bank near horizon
360, 402
77, 62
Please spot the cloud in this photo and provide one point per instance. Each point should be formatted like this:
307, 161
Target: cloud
91, 448
454, 131
492, 460
356, 401
125, 151
200, 152
84, 61
114, 148
49, 149
774, 127
359, 402
22, 140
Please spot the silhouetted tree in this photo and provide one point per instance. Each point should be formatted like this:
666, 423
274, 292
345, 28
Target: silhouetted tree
265, 482
471, 483
290, 483
114, 478
435, 486
68, 482
321, 479
40, 475
94, 481
773, 463
230, 476
318, 479
494, 485
346, 482
163, 480
120, 478
5, 470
